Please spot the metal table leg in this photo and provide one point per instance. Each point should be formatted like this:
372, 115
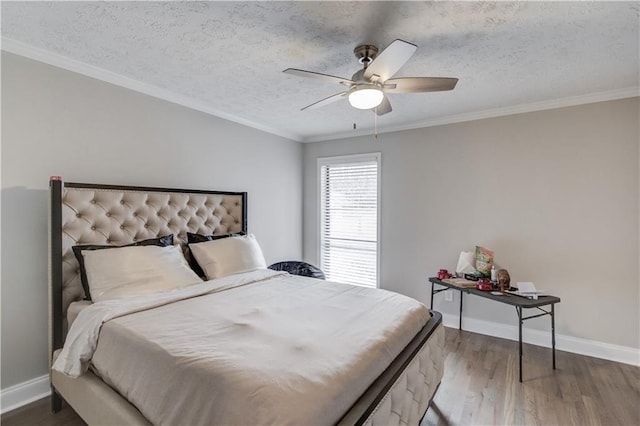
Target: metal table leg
460, 317
553, 335
520, 340
432, 294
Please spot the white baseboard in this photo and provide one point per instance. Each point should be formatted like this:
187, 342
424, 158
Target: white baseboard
576, 345
23, 393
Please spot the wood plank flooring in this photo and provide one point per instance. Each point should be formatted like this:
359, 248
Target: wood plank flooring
480, 387
39, 413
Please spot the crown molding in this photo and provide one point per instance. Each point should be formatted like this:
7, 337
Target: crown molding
45, 56
610, 95
60, 61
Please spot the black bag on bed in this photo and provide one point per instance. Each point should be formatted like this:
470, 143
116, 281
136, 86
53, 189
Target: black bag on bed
295, 267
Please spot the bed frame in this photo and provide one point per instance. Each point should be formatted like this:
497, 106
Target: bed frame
107, 214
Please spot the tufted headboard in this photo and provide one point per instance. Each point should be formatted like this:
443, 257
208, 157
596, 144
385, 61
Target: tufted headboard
117, 215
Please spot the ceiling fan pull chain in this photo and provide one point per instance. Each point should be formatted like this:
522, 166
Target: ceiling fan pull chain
375, 124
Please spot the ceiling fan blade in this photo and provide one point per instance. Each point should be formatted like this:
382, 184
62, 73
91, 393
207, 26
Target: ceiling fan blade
419, 84
384, 107
387, 63
326, 101
318, 76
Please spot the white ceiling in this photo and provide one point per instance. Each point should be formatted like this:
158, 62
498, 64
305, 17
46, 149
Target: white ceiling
226, 58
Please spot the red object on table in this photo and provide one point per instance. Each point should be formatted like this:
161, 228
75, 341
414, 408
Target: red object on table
443, 274
484, 284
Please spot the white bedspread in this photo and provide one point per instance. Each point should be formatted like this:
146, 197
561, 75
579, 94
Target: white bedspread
256, 348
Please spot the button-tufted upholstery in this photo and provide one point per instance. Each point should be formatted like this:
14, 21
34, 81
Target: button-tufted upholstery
408, 399
118, 217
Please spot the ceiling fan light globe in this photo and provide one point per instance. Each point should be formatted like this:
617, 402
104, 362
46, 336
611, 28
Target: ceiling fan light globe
365, 97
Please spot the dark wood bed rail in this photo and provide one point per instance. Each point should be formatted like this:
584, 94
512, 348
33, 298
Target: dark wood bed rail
362, 409
55, 238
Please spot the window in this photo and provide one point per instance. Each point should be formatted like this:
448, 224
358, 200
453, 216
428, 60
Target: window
349, 190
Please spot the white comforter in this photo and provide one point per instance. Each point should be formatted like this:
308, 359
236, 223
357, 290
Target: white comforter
256, 348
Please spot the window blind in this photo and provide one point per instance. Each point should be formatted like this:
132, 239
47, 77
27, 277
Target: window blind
349, 221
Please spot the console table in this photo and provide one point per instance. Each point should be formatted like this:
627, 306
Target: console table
518, 302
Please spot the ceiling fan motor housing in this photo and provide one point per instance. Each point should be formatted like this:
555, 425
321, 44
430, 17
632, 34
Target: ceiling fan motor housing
365, 53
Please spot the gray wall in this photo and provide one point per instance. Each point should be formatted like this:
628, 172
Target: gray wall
554, 193
55, 122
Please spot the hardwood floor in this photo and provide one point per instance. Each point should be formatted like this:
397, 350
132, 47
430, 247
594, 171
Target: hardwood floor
480, 386
39, 413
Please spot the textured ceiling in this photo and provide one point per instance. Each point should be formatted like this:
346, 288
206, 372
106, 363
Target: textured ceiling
229, 56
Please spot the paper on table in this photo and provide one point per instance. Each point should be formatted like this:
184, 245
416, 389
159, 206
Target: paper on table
466, 263
526, 288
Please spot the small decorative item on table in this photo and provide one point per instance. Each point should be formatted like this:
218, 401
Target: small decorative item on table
443, 274
504, 280
484, 284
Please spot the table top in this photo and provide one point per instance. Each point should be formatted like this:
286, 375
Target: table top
510, 299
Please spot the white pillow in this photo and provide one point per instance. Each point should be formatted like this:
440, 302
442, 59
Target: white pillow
136, 271
227, 256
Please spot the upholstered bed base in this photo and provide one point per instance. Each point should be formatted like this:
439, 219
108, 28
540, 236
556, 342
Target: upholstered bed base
402, 394
95, 401
411, 394
405, 402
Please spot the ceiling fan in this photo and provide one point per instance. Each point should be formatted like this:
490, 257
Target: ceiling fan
367, 87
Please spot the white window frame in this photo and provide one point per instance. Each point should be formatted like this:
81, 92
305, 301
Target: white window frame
342, 159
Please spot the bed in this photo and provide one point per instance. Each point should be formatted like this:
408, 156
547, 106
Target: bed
391, 381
